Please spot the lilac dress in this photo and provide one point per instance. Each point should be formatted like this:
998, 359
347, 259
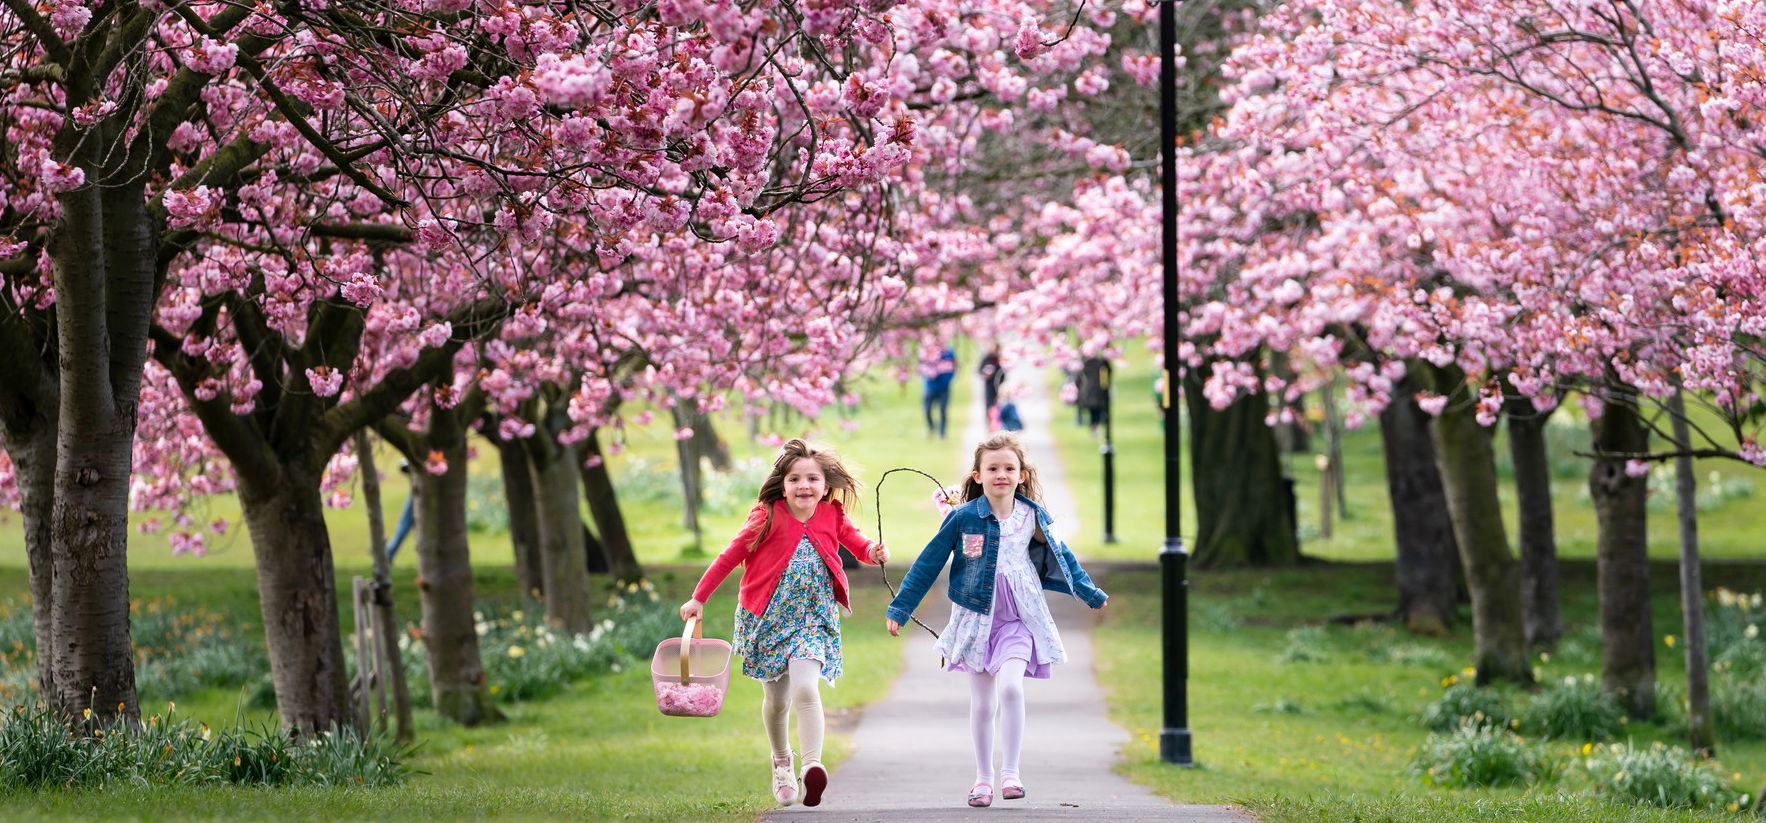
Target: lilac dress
1019, 626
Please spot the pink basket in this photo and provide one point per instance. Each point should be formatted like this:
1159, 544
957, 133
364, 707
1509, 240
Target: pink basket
690, 674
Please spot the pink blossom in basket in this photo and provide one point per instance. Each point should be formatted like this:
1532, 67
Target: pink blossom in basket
691, 699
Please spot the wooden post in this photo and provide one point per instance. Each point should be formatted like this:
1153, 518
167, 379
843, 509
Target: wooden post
386, 624
364, 650
1692, 596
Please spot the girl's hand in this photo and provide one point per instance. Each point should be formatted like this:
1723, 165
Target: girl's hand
1104, 605
692, 609
893, 627
878, 553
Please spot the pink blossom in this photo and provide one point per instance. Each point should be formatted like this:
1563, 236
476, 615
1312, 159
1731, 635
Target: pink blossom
688, 699
326, 381
210, 57
1637, 468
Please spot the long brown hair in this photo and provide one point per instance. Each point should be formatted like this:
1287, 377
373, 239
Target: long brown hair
998, 441
841, 486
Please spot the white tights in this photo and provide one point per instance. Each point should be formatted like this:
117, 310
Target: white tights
1002, 693
799, 689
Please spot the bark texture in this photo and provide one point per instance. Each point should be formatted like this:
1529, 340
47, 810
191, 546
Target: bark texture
1539, 552
1427, 554
616, 541
1627, 632
1467, 462
524, 525
1244, 505
555, 468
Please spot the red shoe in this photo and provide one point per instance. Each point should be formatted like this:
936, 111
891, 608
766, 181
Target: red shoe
815, 779
981, 795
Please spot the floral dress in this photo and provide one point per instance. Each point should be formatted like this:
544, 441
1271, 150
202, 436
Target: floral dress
802, 622
1019, 626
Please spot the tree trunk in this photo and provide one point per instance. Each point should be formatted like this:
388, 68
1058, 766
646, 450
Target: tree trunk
708, 444
1628, 654
1467, 462
297, 596
1427, 554
562, 559
444, 564
1539, 552
524, 526
32, 449
1692, 602
1333, 426
616, 542
1244, 505
692, 493
105, 253
386, 619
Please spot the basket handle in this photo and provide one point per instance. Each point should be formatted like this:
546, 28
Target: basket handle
693, 630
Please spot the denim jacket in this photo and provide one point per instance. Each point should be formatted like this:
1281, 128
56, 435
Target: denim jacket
970, 539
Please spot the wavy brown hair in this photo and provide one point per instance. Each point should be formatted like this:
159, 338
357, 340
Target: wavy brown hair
841, 486
998, 441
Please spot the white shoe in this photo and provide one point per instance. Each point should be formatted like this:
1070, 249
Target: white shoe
784, 783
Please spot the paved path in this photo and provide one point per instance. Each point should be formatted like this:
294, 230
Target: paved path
912, 761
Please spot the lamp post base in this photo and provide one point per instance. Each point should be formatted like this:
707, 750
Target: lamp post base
1174, 747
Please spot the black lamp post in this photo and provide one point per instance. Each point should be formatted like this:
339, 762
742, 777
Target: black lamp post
1109, 452
1174, 738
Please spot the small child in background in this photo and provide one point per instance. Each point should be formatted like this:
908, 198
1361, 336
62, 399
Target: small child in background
1003, 554
789, 603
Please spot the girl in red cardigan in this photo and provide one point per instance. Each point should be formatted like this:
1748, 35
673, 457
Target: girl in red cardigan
789, 603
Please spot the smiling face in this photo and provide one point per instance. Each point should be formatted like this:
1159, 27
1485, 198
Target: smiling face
999, 473
805, 484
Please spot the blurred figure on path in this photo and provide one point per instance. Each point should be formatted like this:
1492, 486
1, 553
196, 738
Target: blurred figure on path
1008, 417
993, 376
1094, 391
938, 373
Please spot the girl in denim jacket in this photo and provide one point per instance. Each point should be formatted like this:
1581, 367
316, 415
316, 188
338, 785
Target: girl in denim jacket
1002, 556
790, 599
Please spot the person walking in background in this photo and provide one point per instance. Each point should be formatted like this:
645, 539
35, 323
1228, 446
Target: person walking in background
938, 373
1094, 391
1009, 419
993, 376
1003, 553
790, 599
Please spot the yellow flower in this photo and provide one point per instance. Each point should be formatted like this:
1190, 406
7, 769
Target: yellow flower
517, 614
1752, 630
1619, 777
516, 651
1733, 807
1449, 680
1587, 748
1469, 672
1668, 639
495, 688
205, 731
86, 714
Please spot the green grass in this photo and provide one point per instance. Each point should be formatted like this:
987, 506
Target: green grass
1332, 740
1729, 526
599, 751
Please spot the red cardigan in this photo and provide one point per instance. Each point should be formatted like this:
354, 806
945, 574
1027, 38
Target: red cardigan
828, 529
